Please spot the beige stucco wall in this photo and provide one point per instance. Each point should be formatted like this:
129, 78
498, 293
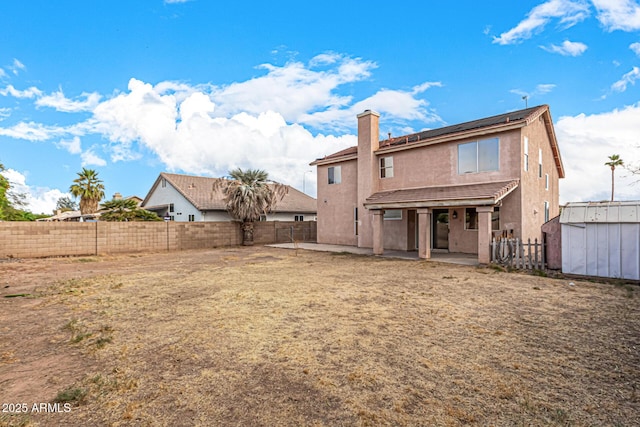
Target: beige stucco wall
336, 203
438, 164
532, 188
521, 212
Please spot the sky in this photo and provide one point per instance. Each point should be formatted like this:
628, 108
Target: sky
135, 88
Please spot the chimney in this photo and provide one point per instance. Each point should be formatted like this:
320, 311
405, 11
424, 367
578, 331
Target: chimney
368, 144
117, 196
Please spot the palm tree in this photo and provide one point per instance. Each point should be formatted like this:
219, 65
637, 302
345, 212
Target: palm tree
125, 210
89, 188
248, 195
613, 162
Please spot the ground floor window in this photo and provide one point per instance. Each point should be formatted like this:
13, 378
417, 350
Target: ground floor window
192, 218
298, 218
471, 219
393, 214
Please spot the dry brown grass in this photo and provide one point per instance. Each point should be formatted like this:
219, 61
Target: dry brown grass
263, 337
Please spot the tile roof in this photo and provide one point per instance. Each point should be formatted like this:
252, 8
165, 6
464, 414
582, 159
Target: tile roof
488, 193
199, 191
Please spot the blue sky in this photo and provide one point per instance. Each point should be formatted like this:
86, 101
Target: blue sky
133, 89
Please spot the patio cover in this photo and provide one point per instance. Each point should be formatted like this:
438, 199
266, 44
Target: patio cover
484, 194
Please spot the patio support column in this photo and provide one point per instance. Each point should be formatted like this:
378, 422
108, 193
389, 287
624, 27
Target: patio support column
424, 233
378, 231
484, 233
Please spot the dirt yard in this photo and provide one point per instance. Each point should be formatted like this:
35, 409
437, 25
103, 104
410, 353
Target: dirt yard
265, 337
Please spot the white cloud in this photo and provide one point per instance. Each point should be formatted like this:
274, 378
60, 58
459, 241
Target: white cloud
618, 14
3, 73
89, 158
17, 66
175, 1
274, 121
73, 146
567, 12
58, 101
540, 89
635, 47
294, 89
568, 48
31, 92
627, 79
33, 131
586, 142
38, 199
4, 113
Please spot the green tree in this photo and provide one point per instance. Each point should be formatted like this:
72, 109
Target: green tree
248, 195
89, 188
65, 204
614, 161
126, 210
12, 203
4, 187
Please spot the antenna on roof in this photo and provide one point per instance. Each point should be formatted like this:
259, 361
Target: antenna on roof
526, 101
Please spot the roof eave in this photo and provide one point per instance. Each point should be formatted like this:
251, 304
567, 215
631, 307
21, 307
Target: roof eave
490, 201
321, 162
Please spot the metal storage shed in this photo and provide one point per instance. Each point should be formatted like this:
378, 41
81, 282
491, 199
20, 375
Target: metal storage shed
601, 239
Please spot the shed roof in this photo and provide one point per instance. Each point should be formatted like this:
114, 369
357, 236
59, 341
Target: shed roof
601, 212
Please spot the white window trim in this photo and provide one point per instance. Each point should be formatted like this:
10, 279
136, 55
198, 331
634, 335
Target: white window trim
390, 215
477, 144
526, 153
540, 163
387, 169
337, 175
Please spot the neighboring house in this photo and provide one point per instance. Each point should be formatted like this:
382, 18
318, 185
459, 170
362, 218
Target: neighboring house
118, 196
196, 198
70, 216
76, 216
449, 189
601, 239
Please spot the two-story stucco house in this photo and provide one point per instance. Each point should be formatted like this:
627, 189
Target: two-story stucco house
188, 198
449, 189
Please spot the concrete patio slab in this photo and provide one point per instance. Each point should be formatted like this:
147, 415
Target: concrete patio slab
451, 258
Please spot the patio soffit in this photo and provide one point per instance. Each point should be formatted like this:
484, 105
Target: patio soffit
482, 194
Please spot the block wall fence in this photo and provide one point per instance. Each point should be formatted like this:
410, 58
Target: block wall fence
49, 239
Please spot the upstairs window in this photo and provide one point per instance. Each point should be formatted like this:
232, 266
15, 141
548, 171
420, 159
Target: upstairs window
479, 156
192, 217
546, 181
386, 167
335, 175
526, 153
540, 163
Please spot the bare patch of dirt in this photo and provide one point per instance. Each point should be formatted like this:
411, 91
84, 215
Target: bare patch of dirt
260, 336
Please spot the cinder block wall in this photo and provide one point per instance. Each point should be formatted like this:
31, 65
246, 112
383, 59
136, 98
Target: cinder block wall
38, 239
45, 239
